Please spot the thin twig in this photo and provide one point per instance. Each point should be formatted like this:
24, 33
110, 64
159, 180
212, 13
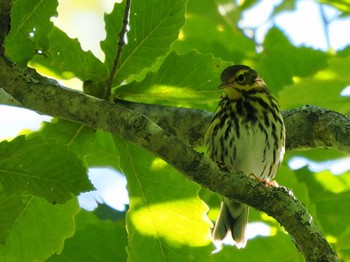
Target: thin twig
121, 43
5, 10
325, 26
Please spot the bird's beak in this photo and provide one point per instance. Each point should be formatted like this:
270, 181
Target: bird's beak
225, 85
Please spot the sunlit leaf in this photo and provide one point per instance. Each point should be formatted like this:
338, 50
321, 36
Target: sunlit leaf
65, 59
322, 89
154, 25
182, 80
341, 5
221, 36
281, 61
166, 217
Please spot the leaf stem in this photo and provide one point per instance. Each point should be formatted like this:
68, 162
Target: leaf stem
121, 43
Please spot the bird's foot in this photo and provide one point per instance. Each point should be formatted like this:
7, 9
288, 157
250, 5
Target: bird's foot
272, 183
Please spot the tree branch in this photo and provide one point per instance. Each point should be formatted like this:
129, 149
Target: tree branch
121, 43
5, 10
134, 127
307, 126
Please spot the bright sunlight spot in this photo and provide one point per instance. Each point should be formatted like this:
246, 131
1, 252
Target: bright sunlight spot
346, 91
258, 229
158, 219
337, 167
15, 119
158, 164
110, 189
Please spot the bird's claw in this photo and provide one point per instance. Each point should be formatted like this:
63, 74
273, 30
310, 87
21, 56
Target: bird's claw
272, 183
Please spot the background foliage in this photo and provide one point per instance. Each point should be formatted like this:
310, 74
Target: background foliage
175, 53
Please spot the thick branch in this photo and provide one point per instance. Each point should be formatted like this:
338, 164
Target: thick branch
307, 126
140, 130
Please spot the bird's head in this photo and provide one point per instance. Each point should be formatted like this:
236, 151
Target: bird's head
238, 80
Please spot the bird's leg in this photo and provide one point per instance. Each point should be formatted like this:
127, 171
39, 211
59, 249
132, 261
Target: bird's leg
272, 183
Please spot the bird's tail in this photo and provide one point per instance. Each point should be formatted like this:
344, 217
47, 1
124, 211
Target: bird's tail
233, 217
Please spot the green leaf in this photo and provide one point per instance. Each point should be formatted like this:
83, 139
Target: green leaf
246, 4
41, 168
334, 183
189, 80
154, 25
30, 24
95, 240
166, 219
341, 5
318, 154
262, 249
66, 59
285, 5
104, 212
208, 31
289, 178
343, 245
322, 89
103, 151
76, 137
331, 213
281, 61
38, 229
113, 25
330, 206
10, 209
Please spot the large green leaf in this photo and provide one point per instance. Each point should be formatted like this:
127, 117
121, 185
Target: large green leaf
331, 199
209, 31
166, 219
103, 151
41, 168
66, 59
10, 209
30, 24
95, 240
37, 229
76, 137
322, 89
189, 80
154, 25
281, 61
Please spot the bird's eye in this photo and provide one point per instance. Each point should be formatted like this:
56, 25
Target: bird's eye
241, 78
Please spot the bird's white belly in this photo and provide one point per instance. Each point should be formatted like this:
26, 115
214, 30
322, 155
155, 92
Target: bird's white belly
253, 151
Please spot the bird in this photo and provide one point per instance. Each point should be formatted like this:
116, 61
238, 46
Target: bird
246, 134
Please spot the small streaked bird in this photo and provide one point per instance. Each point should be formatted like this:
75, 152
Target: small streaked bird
246, 134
